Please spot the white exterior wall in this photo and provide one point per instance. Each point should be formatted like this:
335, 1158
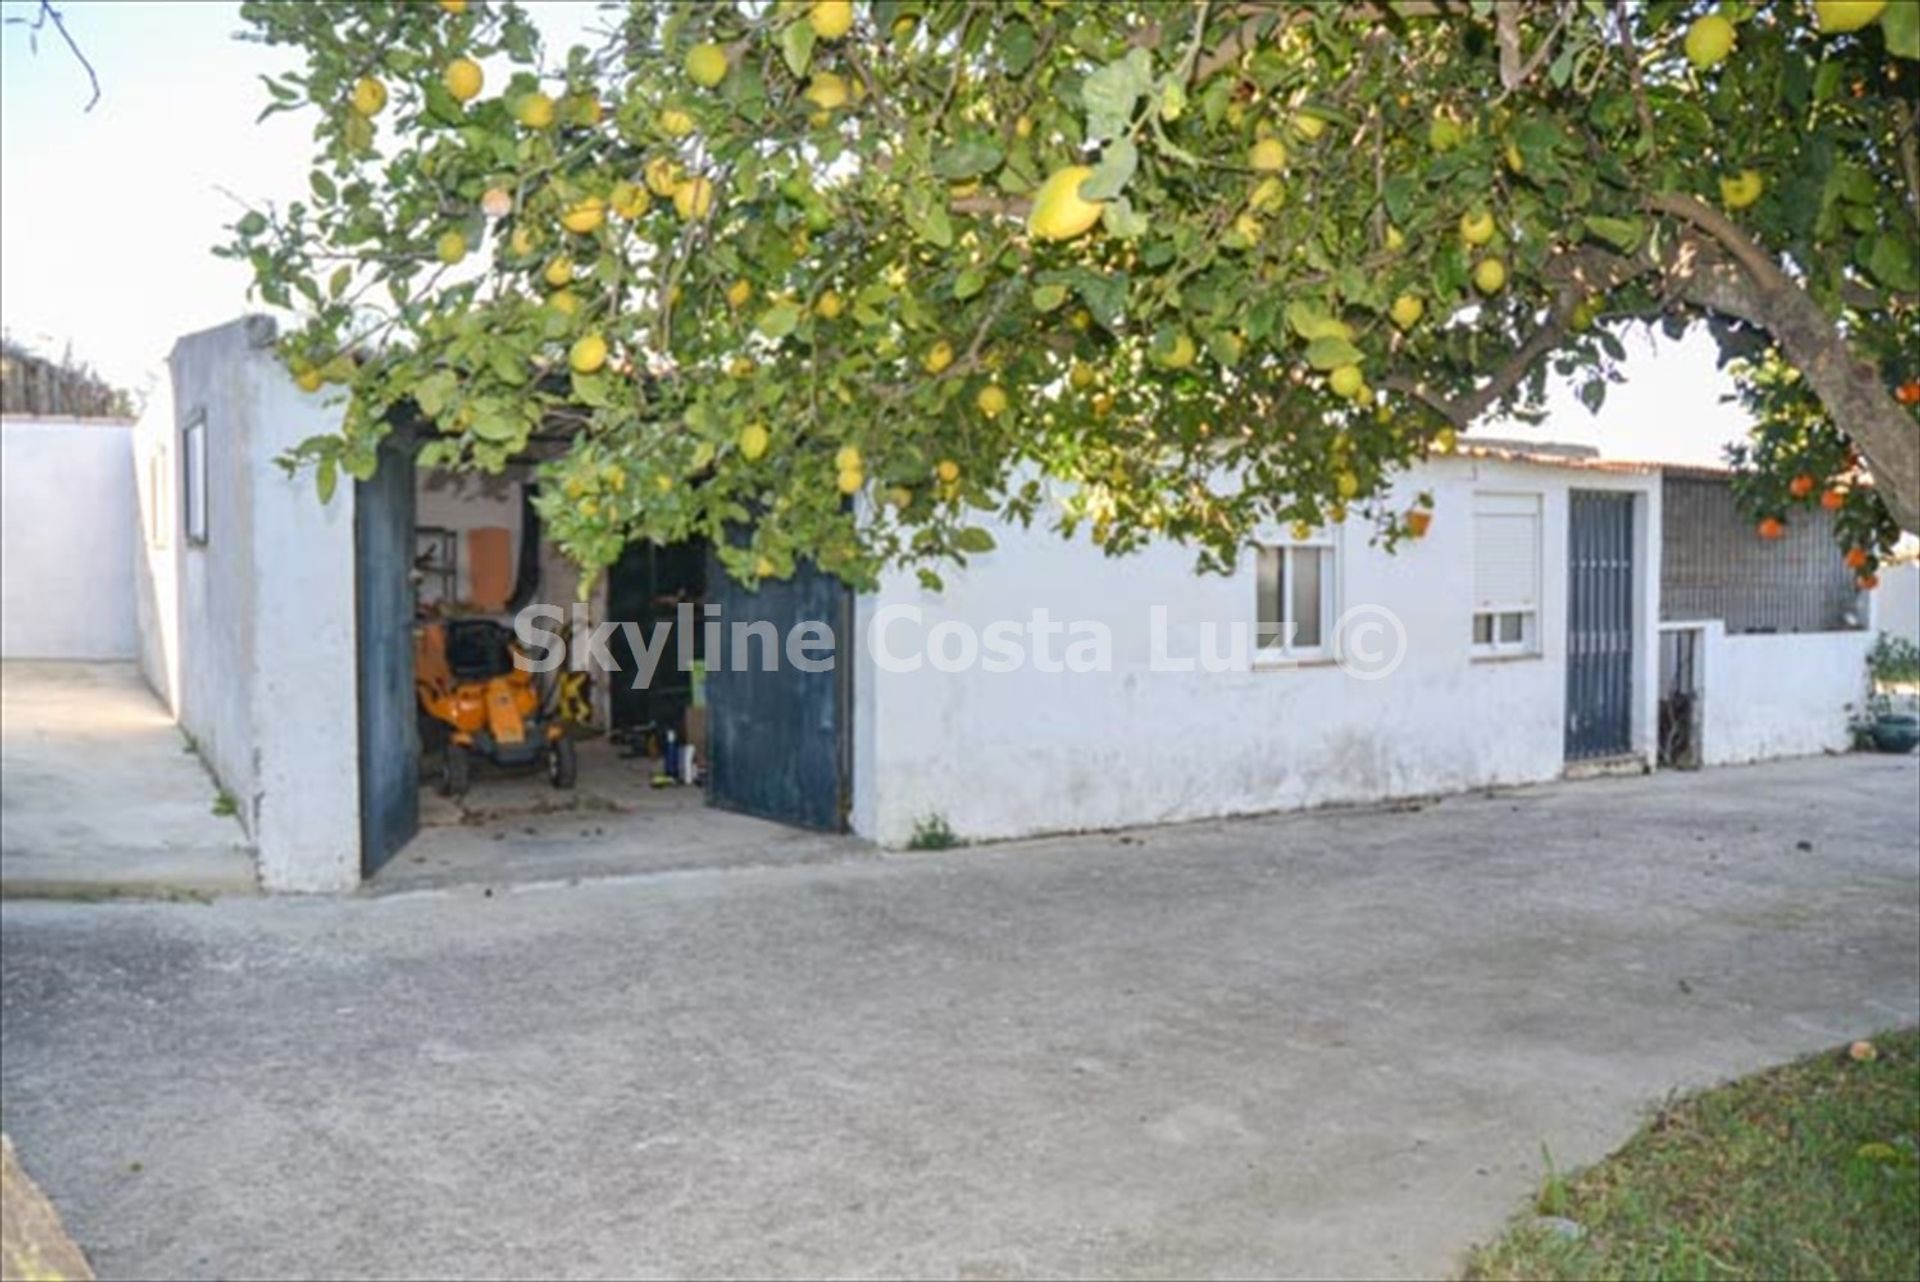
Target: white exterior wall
1896, 605
67, 539
1787, 694
1011, 754
261, 645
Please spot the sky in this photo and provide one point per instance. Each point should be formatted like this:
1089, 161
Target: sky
107, 218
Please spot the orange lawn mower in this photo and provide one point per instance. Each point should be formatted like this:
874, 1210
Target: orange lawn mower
475, 701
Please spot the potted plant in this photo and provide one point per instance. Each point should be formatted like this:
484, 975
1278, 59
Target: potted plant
1893, 670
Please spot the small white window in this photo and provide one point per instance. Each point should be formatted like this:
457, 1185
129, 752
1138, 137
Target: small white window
159, 500
193, 476
1294, 599
1506, 574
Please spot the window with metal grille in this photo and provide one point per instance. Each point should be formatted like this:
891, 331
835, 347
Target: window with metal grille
1506, 574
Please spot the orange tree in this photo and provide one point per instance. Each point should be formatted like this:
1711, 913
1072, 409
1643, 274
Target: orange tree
1147, 269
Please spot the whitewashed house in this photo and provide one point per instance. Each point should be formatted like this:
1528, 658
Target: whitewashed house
1531, 633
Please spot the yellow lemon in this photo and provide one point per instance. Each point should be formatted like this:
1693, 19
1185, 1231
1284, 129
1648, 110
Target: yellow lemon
1308, 126
308, 378
1445, 133
850, 480
1476, 228
1395, 238
675, 123
738, 293
948, 471
739, 367
847, 459
662, 176
585, 216
707, 64
938, 357
992, 401
1080, 376
831, 19
1406, 311
369, 96
1347, 484
1176, 352
754, 439
560, 271
1023, 127
1059, 211
1490, 275
762, 567
693, 198
826, 90
1268, 195
1709, 40
588, 354
535, 111
1836, 16
1267, 156
1445, 440
454, 7
899, 496
452, 247
521, 243
630, 200
828, 306
463, 79
1346, 380
563, 301
1742, 189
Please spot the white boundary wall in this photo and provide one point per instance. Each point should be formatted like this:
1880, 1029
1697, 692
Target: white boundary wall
67, 539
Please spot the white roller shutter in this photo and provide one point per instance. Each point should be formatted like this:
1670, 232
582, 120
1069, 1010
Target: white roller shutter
1506, 551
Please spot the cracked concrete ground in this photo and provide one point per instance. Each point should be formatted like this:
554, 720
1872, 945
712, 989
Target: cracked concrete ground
1324, 1045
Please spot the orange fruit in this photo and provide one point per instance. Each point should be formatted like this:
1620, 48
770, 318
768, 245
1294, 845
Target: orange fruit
1856, 558
1800, 486
1772, 528
1833, 500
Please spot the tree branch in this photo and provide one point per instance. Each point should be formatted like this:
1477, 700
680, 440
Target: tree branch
48, 14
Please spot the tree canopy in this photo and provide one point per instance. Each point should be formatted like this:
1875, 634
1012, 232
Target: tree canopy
1143, 269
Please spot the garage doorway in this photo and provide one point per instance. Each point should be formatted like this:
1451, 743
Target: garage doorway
768, 746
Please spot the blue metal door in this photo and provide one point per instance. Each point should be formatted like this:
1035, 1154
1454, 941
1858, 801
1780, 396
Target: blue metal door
383, 600
1599, 625
779, 741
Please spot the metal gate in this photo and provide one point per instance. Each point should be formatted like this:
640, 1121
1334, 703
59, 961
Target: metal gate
383, 603
780, 740
1599, 625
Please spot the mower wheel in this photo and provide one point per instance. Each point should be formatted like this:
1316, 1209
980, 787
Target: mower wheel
563, 766
456, 771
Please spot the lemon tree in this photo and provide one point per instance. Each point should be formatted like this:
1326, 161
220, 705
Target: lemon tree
847, 276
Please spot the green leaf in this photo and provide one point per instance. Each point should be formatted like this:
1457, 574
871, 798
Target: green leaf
1331, 353
493, 421
1312, 321
435, 392
1105, 296
1399, 194
926, 213
796, 45
968, 283
338, 282
1048, 297
779, 320
594, 390
1017, 47
1111, 94
1890, 259
973, 539
1901, 24
1623, 234
1122, 220
325, 477
1116, 169
929, 580
969, 157
323, 188
251, 223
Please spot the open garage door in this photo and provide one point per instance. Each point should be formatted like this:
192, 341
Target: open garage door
389, 735
779, 741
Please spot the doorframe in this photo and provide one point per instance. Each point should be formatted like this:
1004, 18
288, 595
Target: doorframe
1643, 486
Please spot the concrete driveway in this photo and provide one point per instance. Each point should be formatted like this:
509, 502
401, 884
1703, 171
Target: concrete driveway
102, 796
1331, 1045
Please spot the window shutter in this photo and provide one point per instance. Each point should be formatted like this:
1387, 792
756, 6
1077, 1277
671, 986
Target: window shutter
1506, 551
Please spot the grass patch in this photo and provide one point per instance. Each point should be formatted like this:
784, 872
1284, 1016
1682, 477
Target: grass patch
1810, 1170
932, 833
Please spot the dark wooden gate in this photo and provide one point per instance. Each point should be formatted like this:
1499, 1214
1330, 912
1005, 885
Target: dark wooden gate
780, 741
383, 602
1599, 625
